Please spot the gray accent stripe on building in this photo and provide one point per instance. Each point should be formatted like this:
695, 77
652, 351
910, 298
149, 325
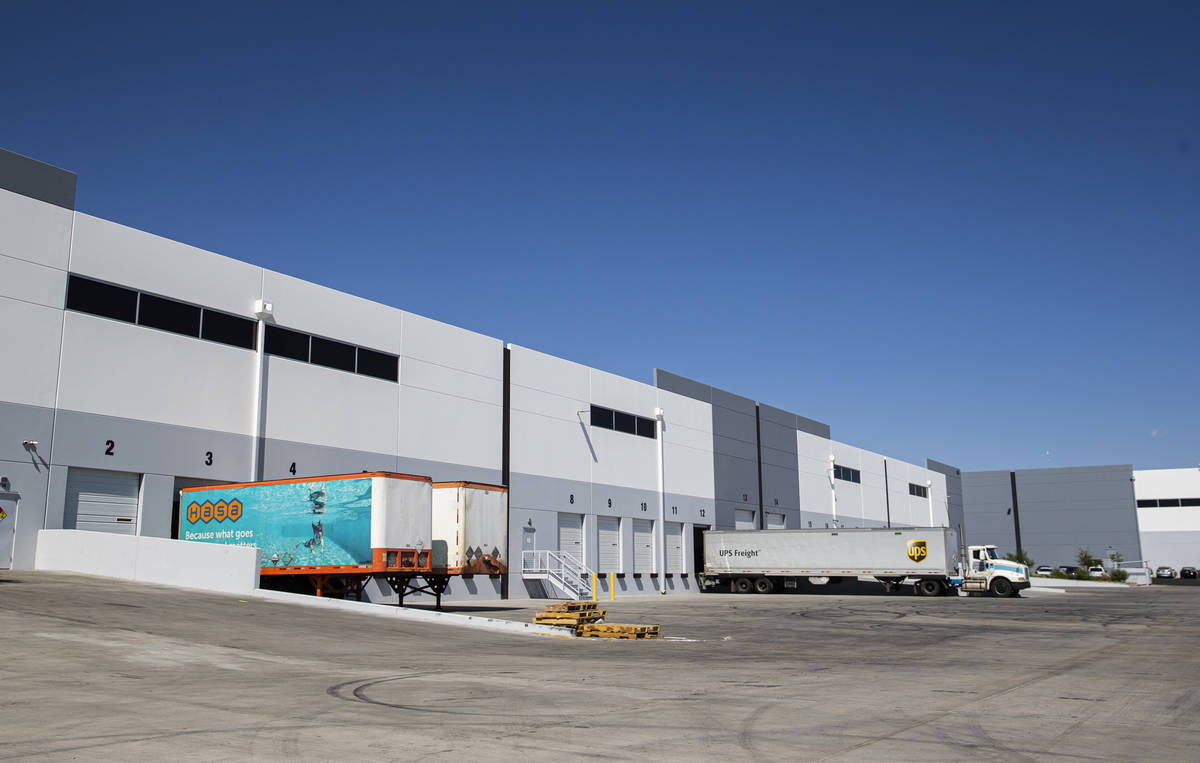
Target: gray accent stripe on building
1016, 511
37, 180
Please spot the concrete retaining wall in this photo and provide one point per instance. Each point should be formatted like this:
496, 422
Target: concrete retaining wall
207, 566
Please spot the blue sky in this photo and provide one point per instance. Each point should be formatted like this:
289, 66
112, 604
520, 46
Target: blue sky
968, 231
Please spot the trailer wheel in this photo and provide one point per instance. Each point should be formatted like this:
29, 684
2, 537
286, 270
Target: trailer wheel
742, 585
930, 587
1001, 587
764, 585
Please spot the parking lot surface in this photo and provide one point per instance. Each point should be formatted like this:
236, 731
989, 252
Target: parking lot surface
101, 669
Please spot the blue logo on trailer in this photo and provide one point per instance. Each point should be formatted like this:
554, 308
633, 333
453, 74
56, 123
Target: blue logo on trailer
317, 523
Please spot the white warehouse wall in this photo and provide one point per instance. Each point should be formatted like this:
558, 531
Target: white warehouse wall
1170, 535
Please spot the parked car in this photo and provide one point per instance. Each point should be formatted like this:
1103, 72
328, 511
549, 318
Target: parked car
1164, 572
1045, 569
1096, 572
1067, 569
1187, 572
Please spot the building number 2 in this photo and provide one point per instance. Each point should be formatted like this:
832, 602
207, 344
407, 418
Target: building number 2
109, 447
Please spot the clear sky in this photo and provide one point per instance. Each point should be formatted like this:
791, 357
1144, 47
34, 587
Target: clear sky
968, 231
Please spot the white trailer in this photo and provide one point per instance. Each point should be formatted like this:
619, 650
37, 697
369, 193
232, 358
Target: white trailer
930, 557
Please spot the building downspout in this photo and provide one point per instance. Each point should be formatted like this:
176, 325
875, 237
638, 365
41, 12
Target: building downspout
262, 311
660, 425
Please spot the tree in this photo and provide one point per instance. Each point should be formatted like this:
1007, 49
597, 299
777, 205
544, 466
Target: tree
1021, 557
1085, 559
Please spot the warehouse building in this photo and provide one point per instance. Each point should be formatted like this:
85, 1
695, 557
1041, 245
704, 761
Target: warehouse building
1168, 515
147, 365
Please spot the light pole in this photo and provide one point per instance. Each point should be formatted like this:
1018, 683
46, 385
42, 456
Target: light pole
660, 425
929, 495
832, 489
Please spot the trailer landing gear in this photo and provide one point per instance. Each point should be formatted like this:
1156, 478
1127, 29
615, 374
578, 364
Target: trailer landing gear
404, 584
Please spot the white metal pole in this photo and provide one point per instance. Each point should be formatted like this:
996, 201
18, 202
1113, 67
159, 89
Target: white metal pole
262, 311
662, 503
832, 490
929, 494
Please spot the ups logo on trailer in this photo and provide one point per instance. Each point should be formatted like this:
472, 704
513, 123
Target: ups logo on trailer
917, 550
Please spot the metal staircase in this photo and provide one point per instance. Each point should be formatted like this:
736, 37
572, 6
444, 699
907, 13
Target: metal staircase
564, 571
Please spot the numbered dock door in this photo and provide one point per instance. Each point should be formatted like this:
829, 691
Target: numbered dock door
8, 526
643, 545
570, 535
775, 521
608, 534
675, 547
101, 501
743, 519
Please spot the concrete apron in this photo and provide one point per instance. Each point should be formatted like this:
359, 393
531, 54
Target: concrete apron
417, 615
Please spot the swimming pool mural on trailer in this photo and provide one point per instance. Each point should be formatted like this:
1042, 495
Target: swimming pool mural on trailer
313, 523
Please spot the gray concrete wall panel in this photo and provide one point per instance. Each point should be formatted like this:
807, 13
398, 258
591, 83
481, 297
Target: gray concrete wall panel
1064, 510
37, 180
1175, 549
987, 510
812, 427
31, 349
19, 423
954, 490
28, 481
30, 282
82, 439
34, 231
110, 252
681, 385
155, 505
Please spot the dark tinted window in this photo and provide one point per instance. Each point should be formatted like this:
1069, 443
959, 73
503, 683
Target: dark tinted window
288, 343
1168, 502
624, 422
920, 491
88, 296
1189, 501
645, 427
378, 364
326, 352
169, 315
602, 417
1147, 503
228, 329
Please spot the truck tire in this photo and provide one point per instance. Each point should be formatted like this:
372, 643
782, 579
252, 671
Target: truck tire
1000, 587
930, 587
764, 585
742, 585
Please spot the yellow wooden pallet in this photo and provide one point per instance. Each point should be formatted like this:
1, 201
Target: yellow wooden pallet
617, 630
568, 618
571, 606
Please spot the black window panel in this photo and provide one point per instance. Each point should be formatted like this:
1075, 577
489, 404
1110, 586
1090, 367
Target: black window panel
857, 475
228, 329
837, 472
326, 352
169, 315
378, 364
645, 427
288, 343
1147, 503
625, 422
602, 417
106, 300
1189, 501
1170, 502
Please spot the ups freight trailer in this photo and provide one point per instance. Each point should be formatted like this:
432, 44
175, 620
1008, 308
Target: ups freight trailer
766, 560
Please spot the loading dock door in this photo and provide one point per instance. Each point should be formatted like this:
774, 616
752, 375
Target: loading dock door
608, 531
643, 545
570, 535
775, 521
675, 547
102, 501
743, 519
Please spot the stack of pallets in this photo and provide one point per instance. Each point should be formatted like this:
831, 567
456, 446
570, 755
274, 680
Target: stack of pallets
583, 617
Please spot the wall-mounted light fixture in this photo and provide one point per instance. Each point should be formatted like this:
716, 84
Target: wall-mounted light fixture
4, 484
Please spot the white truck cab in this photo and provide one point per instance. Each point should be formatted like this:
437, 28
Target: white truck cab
990, 573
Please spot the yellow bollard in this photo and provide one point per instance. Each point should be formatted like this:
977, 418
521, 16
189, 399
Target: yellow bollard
593, 586
612, 589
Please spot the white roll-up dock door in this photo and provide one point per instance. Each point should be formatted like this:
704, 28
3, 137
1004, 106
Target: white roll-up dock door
775, 521
608, 534
675, 547
102, 501
743, 519
570, 535
643, 545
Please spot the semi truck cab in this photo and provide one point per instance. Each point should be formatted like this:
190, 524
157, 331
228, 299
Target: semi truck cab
990, 573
